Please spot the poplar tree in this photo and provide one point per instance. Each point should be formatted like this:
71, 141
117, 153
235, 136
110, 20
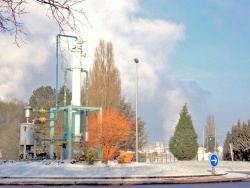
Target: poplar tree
210, 135
105, 91
183, 144
105, 82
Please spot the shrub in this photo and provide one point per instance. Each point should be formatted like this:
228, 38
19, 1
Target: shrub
90, 157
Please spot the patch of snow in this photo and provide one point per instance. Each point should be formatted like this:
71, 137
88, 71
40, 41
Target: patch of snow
70, 168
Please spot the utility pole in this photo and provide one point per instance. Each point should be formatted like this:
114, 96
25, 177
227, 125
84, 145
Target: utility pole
136, 112
215, 145
203, 150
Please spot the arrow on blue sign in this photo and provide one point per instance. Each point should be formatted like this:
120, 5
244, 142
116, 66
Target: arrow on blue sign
214, 160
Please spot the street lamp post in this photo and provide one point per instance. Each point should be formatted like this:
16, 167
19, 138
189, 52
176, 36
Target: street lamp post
136, 112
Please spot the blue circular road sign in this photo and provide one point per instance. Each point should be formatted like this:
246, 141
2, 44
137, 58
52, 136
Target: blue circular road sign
214, 160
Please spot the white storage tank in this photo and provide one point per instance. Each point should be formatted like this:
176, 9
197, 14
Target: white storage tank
27, 135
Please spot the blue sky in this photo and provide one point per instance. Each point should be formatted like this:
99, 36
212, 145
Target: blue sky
190, 51
214, 56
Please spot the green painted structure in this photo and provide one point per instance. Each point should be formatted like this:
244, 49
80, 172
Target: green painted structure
68, 127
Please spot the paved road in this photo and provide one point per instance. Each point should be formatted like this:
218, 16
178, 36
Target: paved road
242, 172
207, 185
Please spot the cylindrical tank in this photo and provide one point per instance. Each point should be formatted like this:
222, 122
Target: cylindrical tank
27, 136
76, 88
27, 110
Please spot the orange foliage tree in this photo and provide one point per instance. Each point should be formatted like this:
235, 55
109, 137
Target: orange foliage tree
108, 131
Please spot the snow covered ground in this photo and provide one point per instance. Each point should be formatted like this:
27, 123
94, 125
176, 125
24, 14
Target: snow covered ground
48, 168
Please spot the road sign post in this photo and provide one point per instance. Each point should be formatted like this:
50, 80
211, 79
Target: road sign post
213, 170
214, 160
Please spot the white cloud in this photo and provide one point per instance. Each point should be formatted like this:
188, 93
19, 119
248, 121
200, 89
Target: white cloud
151, 41
173, 103
18, 65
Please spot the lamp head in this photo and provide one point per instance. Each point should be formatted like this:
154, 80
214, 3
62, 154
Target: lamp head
136, 60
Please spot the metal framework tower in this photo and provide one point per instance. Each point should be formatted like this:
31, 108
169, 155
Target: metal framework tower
73, 113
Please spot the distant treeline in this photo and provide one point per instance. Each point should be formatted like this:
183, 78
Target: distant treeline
11, 113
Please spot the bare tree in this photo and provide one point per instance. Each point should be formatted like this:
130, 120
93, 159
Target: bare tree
125, 107
105, 91
10, 115
66, 13
105, 82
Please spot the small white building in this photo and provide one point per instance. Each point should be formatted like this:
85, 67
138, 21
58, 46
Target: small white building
203, 156
160, 147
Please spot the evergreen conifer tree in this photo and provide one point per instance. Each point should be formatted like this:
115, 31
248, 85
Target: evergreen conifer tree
226, 148
239, 137
183, 144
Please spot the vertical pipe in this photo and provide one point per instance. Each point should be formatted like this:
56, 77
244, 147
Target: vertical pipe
65, 97
57, 40
65, 87
87, 88
57, 43
69, 133
24, 146
51, 132
87, 104
64, 149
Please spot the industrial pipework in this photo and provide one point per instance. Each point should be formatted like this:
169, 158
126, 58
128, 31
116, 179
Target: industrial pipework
72, 114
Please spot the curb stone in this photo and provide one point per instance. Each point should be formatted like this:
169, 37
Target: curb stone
120, 180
